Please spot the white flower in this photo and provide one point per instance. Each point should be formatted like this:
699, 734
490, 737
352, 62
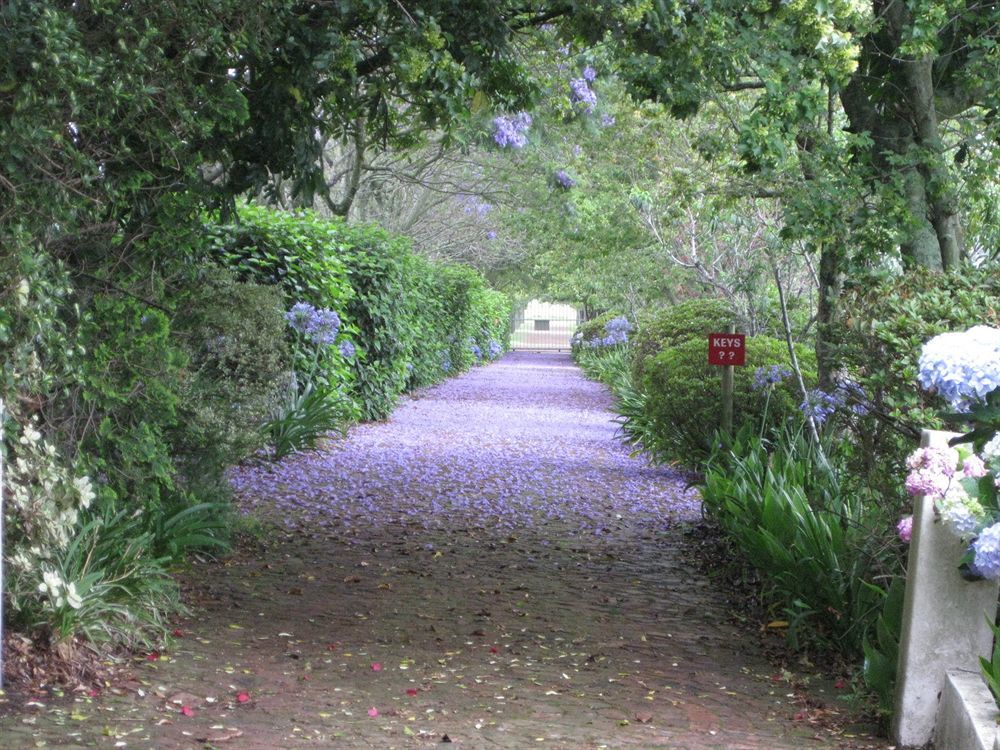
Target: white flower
85, 490
991, 451
72, 597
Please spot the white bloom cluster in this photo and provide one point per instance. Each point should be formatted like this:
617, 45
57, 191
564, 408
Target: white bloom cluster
962, 367
60, 592
46, 497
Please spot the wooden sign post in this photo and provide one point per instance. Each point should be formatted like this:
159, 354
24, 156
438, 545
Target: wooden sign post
727, 350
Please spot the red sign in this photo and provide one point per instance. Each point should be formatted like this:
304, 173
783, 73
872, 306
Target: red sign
727, 348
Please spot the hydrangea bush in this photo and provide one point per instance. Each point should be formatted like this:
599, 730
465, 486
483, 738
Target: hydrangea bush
962, 481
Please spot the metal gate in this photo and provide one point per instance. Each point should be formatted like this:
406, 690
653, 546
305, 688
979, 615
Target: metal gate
544, 327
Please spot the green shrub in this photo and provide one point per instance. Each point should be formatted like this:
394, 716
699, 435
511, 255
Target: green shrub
683, 395
693, 319
238, 370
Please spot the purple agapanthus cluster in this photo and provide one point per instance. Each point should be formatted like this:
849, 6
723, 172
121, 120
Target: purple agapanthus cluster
768, 377
320, 326
607, 120
494, 349
563, 179
820, 405
347, 349
477, 352
589, 74
583, 97
616, 331
511, 130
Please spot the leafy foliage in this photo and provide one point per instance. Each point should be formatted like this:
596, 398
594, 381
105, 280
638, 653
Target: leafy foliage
813, 545
683, 395
691, 319
306, 416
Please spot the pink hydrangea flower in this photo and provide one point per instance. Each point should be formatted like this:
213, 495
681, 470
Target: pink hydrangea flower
905, 528
973, 467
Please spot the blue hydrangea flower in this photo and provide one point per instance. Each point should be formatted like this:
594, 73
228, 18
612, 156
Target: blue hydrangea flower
962, 367
987, 552
767, 377
347, 349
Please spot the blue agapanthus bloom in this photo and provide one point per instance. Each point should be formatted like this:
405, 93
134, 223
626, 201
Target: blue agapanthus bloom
445, 361
962, 367
767, 377
986, 549
494, 349
616, 331
347, 349
474, 348
854, 396
320, 326
820, 405
589, 74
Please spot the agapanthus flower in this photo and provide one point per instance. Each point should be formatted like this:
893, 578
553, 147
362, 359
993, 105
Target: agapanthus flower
986, 549
854, 396
589, 74
474, 348
347, 349
820, 405
962, 367
299, 316
582, 96
494, 349
323, 327
607, 121
905, 529
491, 235
766, 377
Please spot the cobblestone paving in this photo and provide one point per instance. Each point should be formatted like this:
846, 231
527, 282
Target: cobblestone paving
489, 568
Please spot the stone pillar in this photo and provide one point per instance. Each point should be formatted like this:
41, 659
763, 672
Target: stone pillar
944, 620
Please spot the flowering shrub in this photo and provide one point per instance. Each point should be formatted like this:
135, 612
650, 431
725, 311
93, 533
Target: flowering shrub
965, 369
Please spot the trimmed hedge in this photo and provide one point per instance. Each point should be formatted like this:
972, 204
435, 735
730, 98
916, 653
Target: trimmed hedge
693, 319
683, 395
413, 321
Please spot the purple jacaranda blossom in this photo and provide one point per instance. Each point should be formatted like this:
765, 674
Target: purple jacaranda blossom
525, 444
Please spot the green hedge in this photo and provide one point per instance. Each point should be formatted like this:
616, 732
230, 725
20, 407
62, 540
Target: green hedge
412, 321
683, 395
